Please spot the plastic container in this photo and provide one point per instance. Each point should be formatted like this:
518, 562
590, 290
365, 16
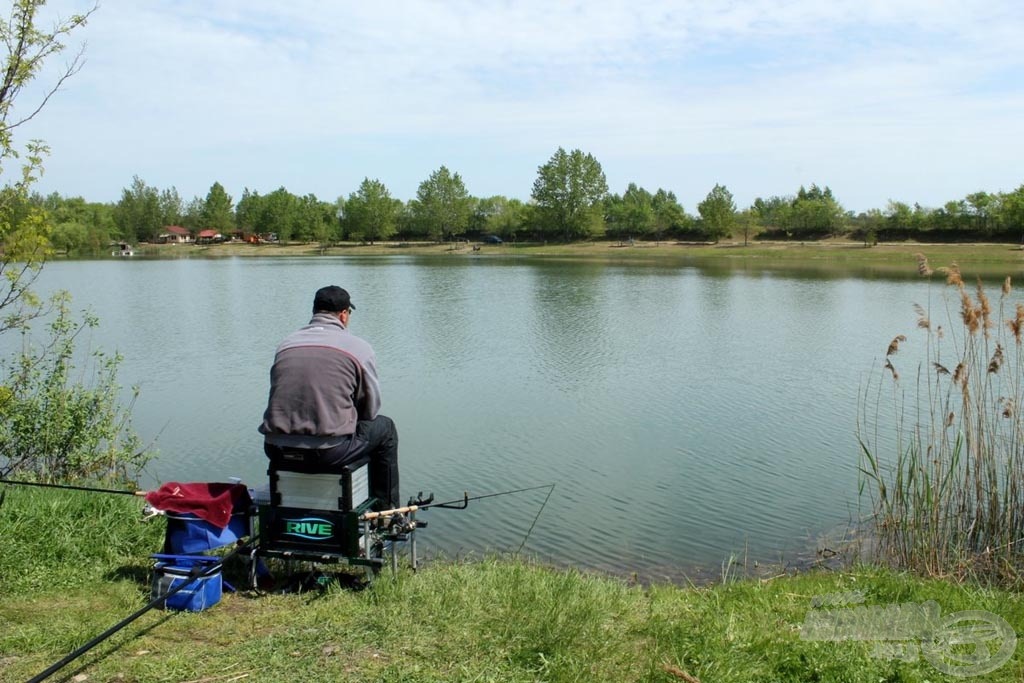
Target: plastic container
199, 592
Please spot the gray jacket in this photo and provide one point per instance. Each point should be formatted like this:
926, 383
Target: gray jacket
324, 379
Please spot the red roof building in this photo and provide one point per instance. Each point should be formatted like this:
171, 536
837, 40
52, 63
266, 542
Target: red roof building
209, 235
175, 234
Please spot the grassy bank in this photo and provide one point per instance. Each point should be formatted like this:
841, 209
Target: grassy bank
74, 564
984, 258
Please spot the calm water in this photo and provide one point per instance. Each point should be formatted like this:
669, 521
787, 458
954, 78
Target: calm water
683, 414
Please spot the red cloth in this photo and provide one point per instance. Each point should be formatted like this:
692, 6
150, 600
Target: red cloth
212, 503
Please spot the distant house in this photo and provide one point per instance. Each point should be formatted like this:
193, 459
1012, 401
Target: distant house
175, 234
209, 235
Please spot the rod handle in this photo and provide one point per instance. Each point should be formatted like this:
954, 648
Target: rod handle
367, 516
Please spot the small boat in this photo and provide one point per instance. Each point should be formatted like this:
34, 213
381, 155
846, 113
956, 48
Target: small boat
124, 249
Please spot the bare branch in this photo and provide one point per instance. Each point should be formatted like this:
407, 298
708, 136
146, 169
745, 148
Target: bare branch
73, 68
28, 48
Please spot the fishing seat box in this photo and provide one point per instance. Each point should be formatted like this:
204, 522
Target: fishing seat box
199, 593
314, 515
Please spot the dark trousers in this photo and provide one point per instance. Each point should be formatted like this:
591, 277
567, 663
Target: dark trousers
377, 438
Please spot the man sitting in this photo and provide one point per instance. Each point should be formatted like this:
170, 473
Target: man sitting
324, 400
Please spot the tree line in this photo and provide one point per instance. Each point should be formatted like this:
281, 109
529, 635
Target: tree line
570, 201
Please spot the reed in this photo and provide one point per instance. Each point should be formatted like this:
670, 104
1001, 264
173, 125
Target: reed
940, 451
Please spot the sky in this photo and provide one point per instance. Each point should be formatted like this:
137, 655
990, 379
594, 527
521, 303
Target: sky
910, 100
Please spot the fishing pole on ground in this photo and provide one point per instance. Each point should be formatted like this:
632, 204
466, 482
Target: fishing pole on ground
196, 573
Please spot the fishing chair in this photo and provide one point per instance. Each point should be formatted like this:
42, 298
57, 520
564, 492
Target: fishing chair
313, 516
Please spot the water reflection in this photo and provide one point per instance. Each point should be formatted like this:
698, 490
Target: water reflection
570, 310
444, 301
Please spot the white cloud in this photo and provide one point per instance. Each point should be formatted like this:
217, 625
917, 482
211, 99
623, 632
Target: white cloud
314, 95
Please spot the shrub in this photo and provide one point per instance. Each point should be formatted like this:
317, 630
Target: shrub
61, 422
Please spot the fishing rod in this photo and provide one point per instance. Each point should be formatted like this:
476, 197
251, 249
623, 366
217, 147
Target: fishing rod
195, 573
458, 504
398, 525
71, 487
418, 504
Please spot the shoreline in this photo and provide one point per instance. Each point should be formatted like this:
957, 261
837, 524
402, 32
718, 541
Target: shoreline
844, 249
828, 258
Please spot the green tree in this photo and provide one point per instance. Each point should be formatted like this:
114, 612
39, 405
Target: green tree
569, 192
316, 221
814, 213
718, 212
497, 215
613, 210
981, 207
959, 212
218, 210
870, 224
23, 226
69, 237
669, 214
899, 215
1011, 212
442, 205
483, 208
248, 210
54, 422
280, 215
337, 214
171, 207
370, 213
772, 214
406, 226
632, 215
138, 213
746, 221
77, 226
923, 218
192, 214
951, 216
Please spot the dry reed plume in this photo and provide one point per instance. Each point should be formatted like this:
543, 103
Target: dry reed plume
952, 273
923, 321
1016, 323
941, 457
922, 265
894, 345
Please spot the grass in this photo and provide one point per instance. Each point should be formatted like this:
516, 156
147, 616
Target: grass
73, 564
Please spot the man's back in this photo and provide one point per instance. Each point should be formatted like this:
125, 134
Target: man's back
324, 379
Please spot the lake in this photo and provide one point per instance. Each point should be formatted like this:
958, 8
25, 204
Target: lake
684, 413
